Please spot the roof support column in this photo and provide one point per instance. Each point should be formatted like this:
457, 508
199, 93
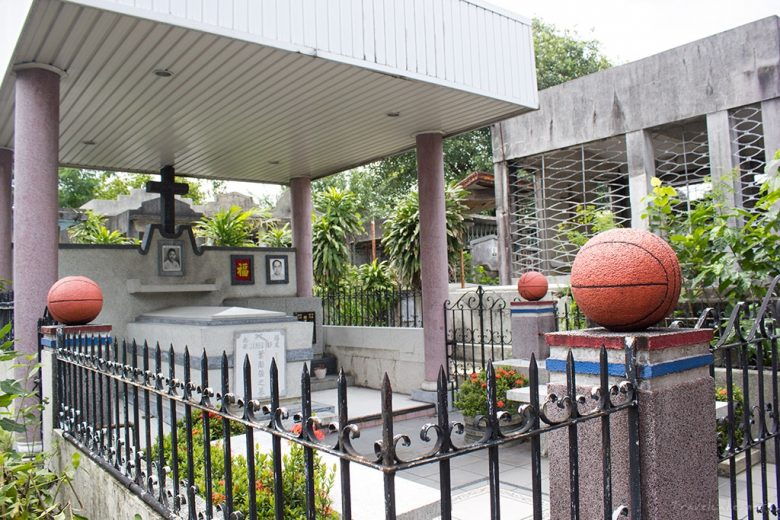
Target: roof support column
641, 168
503, 211
36, 149
770, 119
724, 163
433, 250
6, 229
300, 195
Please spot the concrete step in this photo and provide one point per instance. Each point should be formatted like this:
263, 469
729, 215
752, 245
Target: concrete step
329, 382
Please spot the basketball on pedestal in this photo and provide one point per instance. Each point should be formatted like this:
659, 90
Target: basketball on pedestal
74, 300
532, 286
626, 279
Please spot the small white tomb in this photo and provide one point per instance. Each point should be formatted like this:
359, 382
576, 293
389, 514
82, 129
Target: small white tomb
237, 331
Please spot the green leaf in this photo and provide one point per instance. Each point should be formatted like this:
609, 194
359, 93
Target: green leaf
11, 425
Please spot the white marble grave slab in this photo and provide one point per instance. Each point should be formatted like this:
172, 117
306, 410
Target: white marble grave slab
261, 347
210, 314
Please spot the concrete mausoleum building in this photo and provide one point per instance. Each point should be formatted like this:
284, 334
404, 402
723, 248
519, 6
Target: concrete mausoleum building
250, 91
699, 111
131, 214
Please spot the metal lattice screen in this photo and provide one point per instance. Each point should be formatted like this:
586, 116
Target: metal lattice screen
553, 195
748, 144
682, 159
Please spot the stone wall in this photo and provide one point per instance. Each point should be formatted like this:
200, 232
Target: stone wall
723, 71
95, 493
131, 284
368, 352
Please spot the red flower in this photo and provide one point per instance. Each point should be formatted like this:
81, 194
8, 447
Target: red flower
298, 427
259, 485
474, 376
519, 382
500, 404
484, 385
217, 498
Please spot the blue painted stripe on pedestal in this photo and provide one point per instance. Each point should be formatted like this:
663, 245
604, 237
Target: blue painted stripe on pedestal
87, 341
585, 367
678, 365
543, 310
645, 371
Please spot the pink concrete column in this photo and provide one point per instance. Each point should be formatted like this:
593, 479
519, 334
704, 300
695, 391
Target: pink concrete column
433, 249
302, 210
36, 149
6, 229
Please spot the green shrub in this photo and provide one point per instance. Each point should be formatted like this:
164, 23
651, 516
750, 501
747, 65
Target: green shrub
471, 398
721, 394
93, 231
731, 251
231, 228
275, 236
294, 484
28, 488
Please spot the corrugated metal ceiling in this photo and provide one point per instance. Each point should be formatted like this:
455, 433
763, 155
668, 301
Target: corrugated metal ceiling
233, 110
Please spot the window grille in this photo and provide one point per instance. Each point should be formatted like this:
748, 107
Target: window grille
552, 194
748, 145
682, 160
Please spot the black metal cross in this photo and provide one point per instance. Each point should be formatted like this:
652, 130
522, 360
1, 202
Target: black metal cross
168, 188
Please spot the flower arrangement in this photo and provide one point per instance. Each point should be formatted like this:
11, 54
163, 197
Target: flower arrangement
471, 398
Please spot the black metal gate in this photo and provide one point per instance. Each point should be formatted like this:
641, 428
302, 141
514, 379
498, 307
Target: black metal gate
478, 330
746, 375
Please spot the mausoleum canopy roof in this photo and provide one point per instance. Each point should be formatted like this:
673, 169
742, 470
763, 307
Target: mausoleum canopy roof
265, 91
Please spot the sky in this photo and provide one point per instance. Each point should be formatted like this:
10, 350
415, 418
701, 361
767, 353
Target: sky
628, 30
633, 29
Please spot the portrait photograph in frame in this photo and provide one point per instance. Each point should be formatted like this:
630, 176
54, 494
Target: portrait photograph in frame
276, 269
170, 258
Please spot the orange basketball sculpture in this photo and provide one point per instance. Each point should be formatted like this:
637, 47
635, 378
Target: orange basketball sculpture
626, 279
75, 300
532, 286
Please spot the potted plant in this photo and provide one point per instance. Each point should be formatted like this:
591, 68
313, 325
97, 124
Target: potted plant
471, 399
320, 371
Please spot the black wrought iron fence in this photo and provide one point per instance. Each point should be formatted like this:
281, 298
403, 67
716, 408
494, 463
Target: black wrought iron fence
749, 426
358, 307
188, 467
478, 329
6, 312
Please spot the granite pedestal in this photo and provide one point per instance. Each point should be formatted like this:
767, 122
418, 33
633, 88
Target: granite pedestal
677, 438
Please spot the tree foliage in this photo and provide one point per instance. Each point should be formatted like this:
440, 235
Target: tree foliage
402, 234
337, 219
77, 187
562, 56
